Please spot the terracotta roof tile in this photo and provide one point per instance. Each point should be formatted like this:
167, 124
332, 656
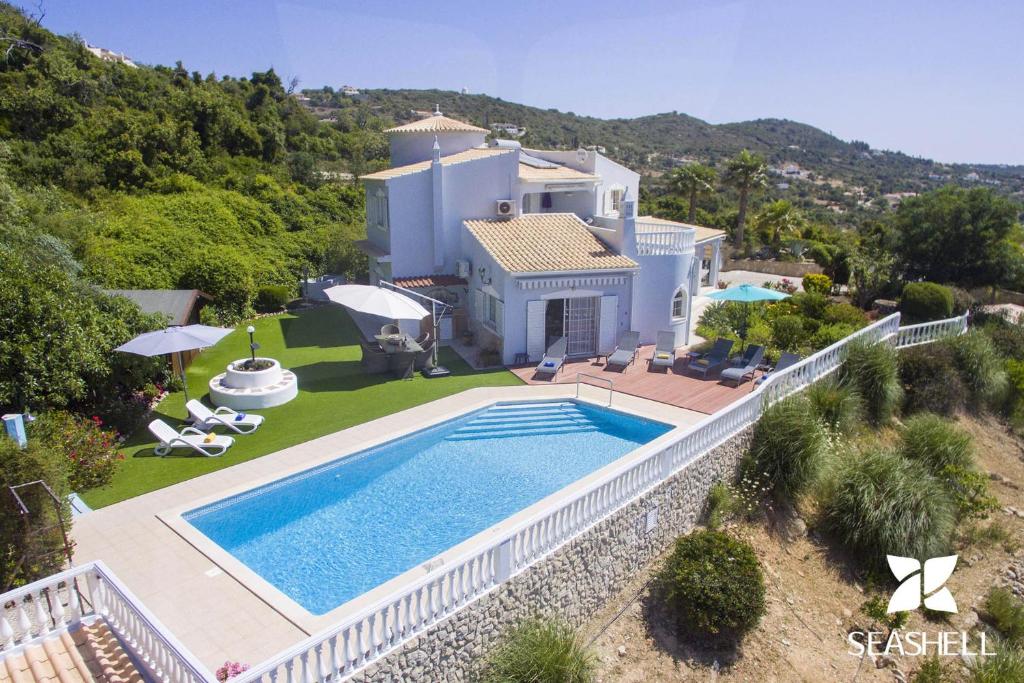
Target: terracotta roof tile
437, 123
545, 242
531, 174
428, 281
458, 158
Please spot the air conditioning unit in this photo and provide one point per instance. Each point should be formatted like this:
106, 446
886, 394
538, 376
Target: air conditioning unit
505, 207
463, 268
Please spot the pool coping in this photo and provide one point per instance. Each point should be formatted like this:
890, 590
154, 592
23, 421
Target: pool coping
333, 450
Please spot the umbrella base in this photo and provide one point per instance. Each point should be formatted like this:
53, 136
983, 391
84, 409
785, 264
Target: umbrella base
436, 371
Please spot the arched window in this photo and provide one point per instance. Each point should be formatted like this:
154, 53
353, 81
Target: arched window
679, 304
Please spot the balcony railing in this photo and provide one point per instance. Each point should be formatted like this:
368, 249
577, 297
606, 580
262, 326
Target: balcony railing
658, 239
91, 591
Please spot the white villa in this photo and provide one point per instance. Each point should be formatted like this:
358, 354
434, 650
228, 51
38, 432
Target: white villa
530, 245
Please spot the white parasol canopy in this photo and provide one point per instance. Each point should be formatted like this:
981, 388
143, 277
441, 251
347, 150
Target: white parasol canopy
175, 339
385, 303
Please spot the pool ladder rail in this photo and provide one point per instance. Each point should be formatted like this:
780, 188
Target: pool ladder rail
611, 384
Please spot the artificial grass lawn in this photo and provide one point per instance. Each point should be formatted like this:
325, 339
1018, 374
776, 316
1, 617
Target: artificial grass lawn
320, 345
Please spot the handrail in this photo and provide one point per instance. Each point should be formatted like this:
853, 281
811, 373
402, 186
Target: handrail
92, 590
924, 333
611, 384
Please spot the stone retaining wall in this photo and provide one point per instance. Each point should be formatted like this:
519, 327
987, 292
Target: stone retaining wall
573, 582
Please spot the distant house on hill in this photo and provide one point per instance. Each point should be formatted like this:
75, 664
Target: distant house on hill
111, 56
349, 90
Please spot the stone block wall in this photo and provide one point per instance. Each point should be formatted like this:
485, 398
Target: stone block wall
573, 582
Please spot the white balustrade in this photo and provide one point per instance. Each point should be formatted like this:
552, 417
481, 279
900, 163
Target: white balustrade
657, 239
92, 591
925, 333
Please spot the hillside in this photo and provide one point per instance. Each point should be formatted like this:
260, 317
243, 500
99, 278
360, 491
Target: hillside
659, 142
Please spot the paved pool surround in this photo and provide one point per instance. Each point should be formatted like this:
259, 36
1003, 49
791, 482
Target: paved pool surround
572, 583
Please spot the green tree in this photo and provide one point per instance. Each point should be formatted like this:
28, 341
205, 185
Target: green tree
779, 219
747, 173
694, 181
963, 236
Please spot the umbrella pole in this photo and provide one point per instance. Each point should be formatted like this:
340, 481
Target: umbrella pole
184, 382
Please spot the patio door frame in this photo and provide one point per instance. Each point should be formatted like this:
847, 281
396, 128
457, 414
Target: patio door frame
580, 320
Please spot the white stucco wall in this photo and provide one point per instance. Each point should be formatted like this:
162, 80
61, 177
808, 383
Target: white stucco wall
659, 278
409, 148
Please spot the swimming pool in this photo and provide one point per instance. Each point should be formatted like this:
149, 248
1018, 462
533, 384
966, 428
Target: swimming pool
331, 533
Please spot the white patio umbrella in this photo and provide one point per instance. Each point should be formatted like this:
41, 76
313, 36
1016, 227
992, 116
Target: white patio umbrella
175, 339
385, 303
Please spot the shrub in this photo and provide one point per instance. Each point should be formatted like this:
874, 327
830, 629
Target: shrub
714, 585
936, 443
719, 505
963, 301
835, 404
882, 503
810, 304
970, 491
38, 539
788, 446
1006, 613
980, 366
930, 380
873, 371
1006, 666
845, 313
788, 332
91, 451
827, 335
272, 298
540, 651
924, 301
816, 283
1007, 337
932, 670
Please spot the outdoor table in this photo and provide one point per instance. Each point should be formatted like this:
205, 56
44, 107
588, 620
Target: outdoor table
401, 350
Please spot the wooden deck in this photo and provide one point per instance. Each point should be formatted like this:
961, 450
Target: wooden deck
667, 385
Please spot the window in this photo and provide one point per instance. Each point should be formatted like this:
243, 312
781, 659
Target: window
377, 210
490, 311
613, 201
679, 304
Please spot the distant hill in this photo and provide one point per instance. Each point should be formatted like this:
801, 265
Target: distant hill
657, 143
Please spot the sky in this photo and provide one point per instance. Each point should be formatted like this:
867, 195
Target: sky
937, 79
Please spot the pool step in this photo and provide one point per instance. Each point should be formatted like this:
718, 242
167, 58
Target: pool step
533, 431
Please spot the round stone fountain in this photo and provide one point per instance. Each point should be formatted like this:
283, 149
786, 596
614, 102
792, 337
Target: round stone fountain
251, 389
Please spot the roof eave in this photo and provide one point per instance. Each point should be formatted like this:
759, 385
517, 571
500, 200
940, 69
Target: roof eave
591, 271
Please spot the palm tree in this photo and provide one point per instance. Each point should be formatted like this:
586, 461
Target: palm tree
780, 219
693, 180
746, 172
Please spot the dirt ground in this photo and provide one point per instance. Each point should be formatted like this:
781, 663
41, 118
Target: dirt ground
813, 600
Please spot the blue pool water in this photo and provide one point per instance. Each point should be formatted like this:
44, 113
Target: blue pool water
329, 534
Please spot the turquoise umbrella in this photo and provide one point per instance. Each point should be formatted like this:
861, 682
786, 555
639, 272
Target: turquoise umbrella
747, 294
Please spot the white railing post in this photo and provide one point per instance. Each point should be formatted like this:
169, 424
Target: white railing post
503, 562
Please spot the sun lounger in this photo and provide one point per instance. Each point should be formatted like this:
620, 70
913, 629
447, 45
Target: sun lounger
210, 445
713, 359
785, 360
665, 350
744, 359
740, 373
206, 419
625, 352
554, 357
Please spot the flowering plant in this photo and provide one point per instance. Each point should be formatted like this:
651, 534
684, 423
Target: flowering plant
91, 450
230, 670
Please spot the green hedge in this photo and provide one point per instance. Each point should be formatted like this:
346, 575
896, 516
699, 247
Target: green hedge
926, 301
272, 298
